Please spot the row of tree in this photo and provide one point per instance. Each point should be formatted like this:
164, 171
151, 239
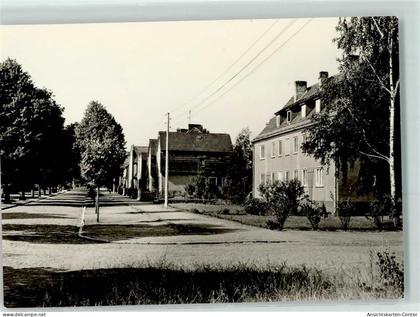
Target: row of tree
35, 147
38, 150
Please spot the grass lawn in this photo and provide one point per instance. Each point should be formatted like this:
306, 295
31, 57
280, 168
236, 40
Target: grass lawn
237, 213
166, 283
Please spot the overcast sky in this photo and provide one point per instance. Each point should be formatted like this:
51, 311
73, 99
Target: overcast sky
140, 71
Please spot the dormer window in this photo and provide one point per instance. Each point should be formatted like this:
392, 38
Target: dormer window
289, 116
303, 111
277, 120
318, 106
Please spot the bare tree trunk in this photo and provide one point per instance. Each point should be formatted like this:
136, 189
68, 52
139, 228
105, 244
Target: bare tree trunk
392, 88
6, 193
97, 204
391, 123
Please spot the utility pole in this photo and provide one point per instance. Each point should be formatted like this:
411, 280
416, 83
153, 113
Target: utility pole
167, 162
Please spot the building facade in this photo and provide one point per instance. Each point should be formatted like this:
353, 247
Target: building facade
192, 152
277, 149
152, 172
133, 180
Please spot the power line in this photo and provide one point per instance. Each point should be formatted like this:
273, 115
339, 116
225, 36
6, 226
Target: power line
243, 67
256, 67
229, 68
225, 71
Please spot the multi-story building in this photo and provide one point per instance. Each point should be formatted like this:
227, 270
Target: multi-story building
192, 152
277, 149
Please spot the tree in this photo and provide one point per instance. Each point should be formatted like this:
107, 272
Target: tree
30, 125
70, 155
361, 118
102, 148
239, 181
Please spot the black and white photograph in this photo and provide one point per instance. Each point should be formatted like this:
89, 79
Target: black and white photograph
201, 162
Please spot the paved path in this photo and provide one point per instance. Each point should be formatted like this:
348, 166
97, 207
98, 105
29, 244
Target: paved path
42, 234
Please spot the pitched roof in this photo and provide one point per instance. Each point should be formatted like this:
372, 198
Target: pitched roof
140, 149
197, 142
311, 92
152, 145
271, 127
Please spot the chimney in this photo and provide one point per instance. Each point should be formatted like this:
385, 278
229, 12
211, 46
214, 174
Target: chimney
323, 75
195, 128
300, 88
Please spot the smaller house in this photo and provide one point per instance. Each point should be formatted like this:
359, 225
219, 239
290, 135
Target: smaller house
135, 172
123, 180
152, 172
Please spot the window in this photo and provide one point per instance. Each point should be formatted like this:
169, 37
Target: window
296, 174
277, 120
303, 111
304, 138
289, 116
280, 176
273, 148
317, 105
280, 146
273, 177
319, 177
212, 180
286, 176
262, 179
295, 144
262, 152
305, 177
287, 146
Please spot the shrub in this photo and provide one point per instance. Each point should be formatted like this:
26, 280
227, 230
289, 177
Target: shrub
190, 189
200, 188
282, 199
345, 209
385, 206
313, 212
392, 272
211, 190
225, 211
196, 211
378, 209
148, 195
256, 206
